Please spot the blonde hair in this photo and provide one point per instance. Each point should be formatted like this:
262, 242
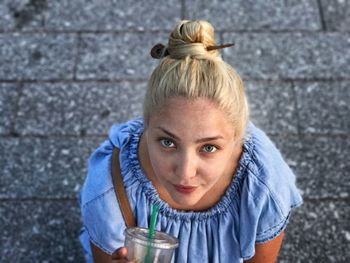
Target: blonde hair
190, 69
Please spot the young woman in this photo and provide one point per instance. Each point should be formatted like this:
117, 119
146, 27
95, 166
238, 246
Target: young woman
221, 186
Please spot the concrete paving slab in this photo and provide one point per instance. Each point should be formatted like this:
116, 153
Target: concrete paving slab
318, 232
117, 56
8, 106
40, 231
21, 15
323, 167
289, 56
50, 109
37, 56
81, 15
44, 168
248, 15
323, 107
321, 164
110, 103
272, 106
290, 146
77, 108
336, 15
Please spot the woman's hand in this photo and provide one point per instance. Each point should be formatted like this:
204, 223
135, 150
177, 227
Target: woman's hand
119, 256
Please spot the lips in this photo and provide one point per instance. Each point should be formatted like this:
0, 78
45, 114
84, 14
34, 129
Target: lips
185, 189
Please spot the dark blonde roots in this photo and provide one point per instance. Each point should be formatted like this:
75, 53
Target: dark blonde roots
189, 70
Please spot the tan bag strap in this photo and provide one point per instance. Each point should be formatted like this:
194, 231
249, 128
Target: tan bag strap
120, 190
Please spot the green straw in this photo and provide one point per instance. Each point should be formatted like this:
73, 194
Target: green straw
151, 233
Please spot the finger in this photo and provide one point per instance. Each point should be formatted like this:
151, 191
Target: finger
119, 253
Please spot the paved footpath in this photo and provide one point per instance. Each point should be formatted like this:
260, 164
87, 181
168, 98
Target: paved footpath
69, 69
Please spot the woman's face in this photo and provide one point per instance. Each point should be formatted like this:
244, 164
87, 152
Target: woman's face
193, 152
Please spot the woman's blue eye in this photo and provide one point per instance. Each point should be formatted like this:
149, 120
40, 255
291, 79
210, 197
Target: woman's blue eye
209, 148
167, 143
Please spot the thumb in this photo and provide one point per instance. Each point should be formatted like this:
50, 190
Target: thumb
120, 253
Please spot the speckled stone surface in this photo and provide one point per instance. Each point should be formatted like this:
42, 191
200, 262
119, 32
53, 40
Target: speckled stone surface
289, 55
323, 167
77, 108
115, 56
107, 104
50, 109
336, 15
44, 168
256, 15
112, 15
318, 232
37, 56
332, 104
321, 164
22, 15
40, 231
272, 106
290, 147
8, 106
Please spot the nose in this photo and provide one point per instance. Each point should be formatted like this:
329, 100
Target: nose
186, 166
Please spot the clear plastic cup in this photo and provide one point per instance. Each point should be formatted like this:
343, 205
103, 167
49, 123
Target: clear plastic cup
140, 249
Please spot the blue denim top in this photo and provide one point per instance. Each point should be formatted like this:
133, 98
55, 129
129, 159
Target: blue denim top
254, 209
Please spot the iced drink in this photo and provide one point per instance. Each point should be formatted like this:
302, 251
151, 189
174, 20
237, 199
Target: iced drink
140, 249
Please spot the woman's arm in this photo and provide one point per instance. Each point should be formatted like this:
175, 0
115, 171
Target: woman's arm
267, 252
119, 256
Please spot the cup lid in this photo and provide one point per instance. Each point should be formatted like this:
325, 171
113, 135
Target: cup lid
160, 239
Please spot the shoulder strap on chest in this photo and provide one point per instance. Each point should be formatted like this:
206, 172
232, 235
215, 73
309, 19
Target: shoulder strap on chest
120, 191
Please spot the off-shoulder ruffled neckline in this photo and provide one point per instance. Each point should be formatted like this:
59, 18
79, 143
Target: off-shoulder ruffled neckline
150, 192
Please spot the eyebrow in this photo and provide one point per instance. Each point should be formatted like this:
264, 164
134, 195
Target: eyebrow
205, 139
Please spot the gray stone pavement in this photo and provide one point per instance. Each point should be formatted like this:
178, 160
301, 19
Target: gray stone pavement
70, 69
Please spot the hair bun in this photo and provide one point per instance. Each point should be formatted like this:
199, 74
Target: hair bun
191, 38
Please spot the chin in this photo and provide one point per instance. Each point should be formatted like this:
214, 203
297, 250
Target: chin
185, 201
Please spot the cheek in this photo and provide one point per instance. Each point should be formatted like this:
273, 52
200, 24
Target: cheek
212, 170
162, 166
210, 174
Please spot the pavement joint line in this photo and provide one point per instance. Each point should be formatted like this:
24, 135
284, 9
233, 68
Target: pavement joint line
166, 31
321, 14
295, 101
325, 199
19, 88
96, 32
31, 199
183, 9
114, 80
29, 81
77, 57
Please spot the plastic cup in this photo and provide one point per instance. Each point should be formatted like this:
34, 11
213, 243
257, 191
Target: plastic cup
140, 249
